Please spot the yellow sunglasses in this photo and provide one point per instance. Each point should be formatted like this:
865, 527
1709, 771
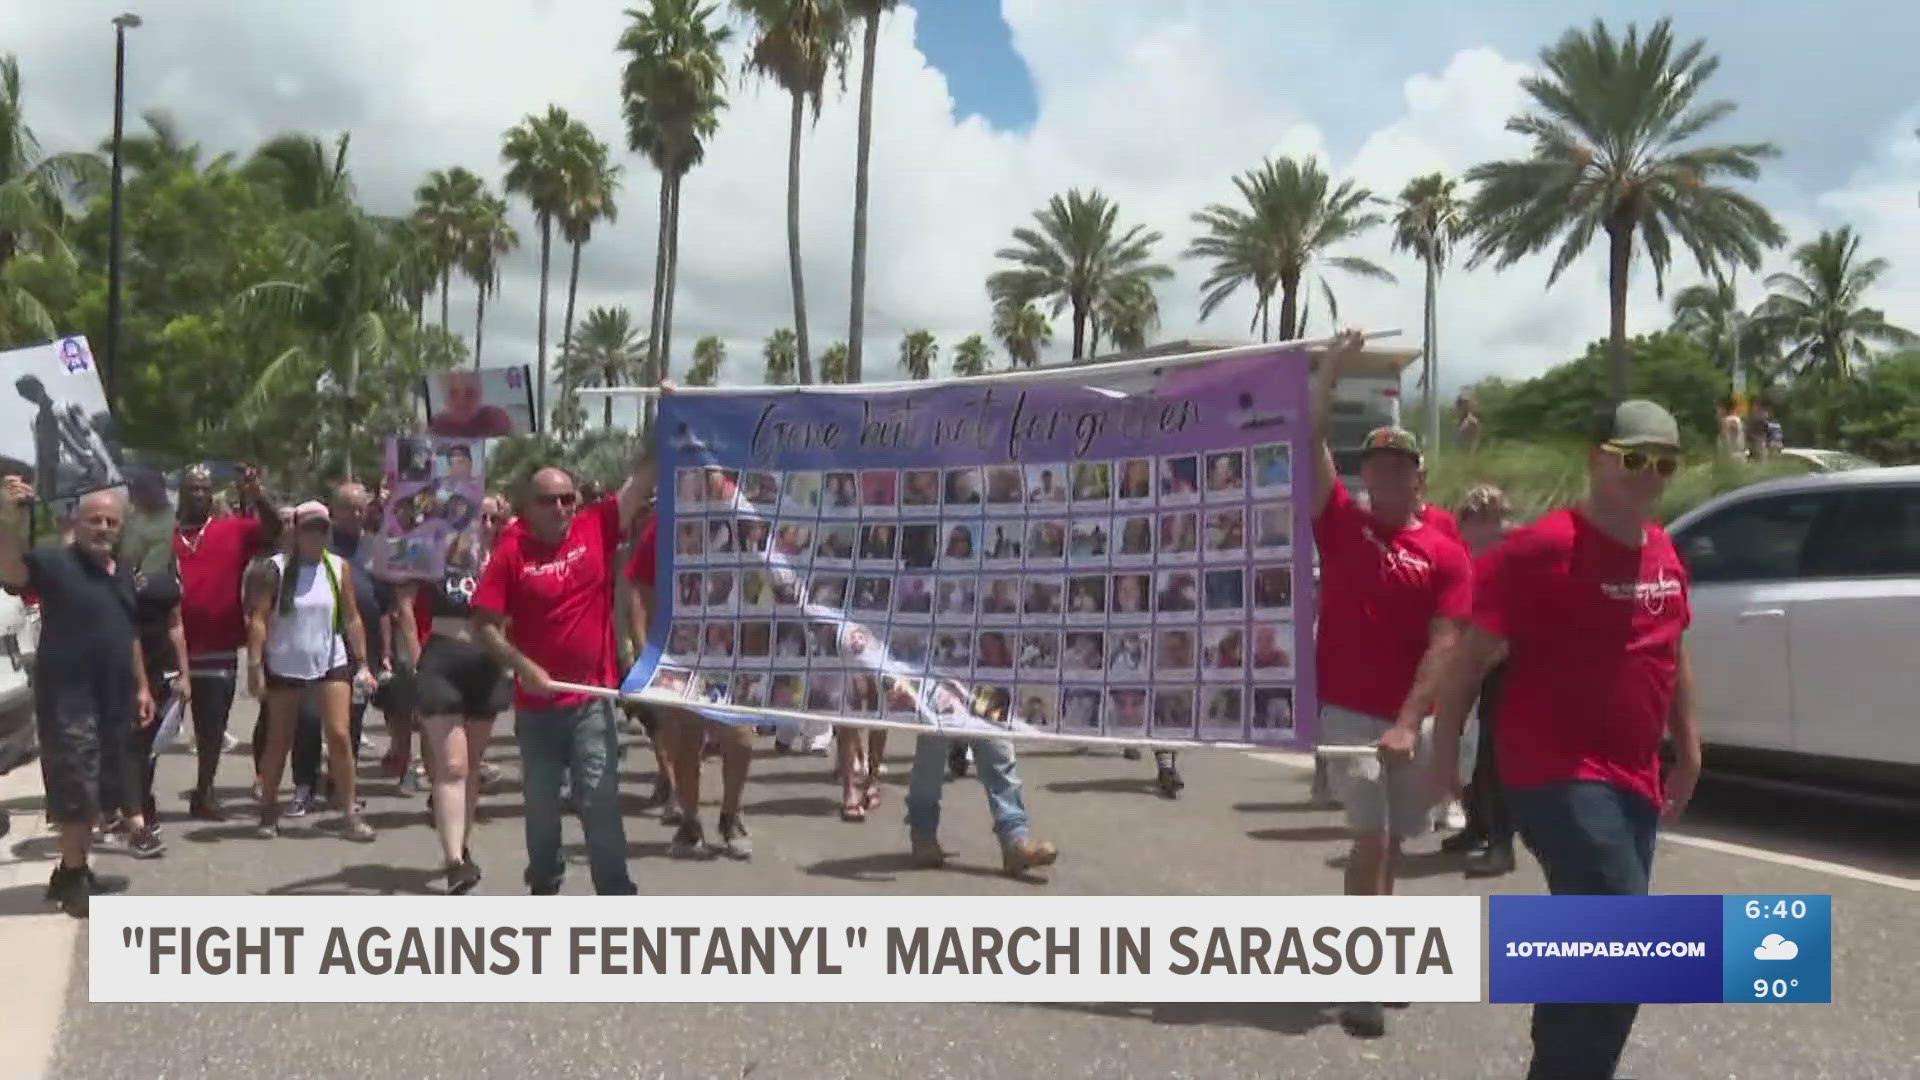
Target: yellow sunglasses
1634, 459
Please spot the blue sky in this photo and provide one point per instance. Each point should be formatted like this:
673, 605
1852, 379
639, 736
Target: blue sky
972, 45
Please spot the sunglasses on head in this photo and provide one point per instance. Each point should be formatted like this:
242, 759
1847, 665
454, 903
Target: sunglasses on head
1633, 459
562, 500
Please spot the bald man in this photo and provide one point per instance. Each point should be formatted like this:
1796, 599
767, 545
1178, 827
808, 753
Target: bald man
90, 683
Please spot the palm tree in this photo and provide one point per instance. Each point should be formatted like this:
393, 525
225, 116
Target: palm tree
489, 238
442, 206
971, 357
708, 354
1293, 214
1430, 219
780, 355
34, 193
536, 154
593, 181
673, 89
1818, 313
1610, 129
869, 12
833, 363
1073, 256
308, 175
163, 148
918, 351
798, 42
607, 350
1023, 329
1129, 315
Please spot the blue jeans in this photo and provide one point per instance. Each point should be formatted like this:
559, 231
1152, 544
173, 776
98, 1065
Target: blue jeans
1592, 839
580, 743
993, 759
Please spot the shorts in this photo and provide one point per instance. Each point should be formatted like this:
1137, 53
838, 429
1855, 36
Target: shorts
458, 678
343, 673
79, 742
1401, 801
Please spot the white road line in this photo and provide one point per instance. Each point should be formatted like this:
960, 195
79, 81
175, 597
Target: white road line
38, 947
1304, 761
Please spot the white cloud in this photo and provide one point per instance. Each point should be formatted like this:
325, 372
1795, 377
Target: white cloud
1775, 947
1159, 104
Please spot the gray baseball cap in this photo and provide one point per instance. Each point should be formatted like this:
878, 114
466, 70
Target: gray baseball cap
1637, 423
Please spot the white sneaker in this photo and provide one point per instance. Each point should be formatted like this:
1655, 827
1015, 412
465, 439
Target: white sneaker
228, 744
1452, 816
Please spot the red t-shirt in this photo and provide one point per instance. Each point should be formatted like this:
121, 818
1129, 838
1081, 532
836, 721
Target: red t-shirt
212, 562
558, 600
1442, 519
1593, 633
422, 616
644, 565
1380, 590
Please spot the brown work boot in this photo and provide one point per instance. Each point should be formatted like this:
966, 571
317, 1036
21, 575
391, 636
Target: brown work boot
1027, 854
929, 855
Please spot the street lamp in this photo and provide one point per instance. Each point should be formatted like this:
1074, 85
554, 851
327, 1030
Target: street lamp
121, 24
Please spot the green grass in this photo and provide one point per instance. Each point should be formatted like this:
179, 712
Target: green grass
1542, 476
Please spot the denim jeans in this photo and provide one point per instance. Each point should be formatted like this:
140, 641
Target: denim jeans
579, 743
1592, 839
992, 759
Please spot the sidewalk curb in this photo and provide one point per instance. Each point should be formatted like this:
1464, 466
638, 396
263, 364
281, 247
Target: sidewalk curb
39, 947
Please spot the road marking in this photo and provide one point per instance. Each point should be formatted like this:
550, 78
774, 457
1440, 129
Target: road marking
1304, 761
39, 946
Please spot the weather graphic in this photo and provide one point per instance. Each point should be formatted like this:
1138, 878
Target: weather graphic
1778, 949
1775, 947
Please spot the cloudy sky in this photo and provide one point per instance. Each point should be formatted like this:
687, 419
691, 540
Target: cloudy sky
983, 110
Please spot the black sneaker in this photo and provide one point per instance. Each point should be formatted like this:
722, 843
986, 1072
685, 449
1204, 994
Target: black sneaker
73, 889
689, 841
1494, 860
146, 844
957, 760
1464, 840
662, 795
462, 877
1169, 782
735, 841
1364, 1019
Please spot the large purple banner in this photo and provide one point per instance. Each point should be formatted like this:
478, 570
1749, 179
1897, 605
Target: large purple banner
1112, 557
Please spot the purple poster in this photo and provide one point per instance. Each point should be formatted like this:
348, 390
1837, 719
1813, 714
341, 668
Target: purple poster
1078, 559
431, 520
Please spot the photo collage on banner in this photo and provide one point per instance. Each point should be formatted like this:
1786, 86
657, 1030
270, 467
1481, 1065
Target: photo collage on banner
431, 522
1119, 594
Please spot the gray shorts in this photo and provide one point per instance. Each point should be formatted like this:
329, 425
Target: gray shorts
1399, 802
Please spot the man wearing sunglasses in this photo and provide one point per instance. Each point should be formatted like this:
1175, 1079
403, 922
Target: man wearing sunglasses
1587, 607
544, 609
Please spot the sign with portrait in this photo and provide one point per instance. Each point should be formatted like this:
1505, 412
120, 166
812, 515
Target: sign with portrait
431, 520
55, 428
486, 404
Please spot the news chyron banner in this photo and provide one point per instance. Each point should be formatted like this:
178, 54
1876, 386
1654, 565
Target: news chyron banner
1046, 559
785, 949
1648, 949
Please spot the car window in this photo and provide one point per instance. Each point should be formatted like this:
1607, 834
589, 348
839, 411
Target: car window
1755, 540
1876, 533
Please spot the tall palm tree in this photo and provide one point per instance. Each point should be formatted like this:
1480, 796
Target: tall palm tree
1612, 127
1129, 314
308, 173
162, 148
1819, 314
490, 237
35, 194
1023, 329
1074, 254
535, 152
797, 43
607, 350
593, 182
971, 357
673, 89
918, 351
442, 206
833, 363
780, 354
708, 354
869, 12
1293, 213
1430, 218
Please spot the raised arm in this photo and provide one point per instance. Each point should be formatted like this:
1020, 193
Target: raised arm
267, 514
637, 493
1326, 375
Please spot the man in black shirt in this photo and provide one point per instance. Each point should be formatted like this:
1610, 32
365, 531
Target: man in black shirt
91, 679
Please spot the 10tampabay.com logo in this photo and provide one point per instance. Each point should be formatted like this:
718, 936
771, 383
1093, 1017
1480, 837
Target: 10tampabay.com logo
1660, 949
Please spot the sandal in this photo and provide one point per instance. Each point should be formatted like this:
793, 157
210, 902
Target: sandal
871, 797
854, 808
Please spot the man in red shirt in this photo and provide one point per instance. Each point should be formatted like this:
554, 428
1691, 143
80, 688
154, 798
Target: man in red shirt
544, 610
1394, 592
1588, 607
213, 554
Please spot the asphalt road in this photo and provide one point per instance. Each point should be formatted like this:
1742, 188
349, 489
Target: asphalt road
1242, 827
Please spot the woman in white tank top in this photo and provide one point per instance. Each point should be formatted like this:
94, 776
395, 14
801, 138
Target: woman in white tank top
304, 637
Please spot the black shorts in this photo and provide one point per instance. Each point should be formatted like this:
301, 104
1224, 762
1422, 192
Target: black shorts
458, 678
343, 673
84, 739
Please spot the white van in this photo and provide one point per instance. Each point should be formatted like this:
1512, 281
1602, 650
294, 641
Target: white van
1806, 612
19, 637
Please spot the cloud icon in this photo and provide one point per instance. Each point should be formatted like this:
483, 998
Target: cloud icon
1775, 947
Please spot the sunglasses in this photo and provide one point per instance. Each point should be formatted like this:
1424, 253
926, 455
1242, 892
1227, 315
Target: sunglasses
563, 500
1635, 460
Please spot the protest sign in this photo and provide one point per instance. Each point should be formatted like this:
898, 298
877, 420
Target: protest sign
485, 404
1043, 559
431, 520
55, 427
